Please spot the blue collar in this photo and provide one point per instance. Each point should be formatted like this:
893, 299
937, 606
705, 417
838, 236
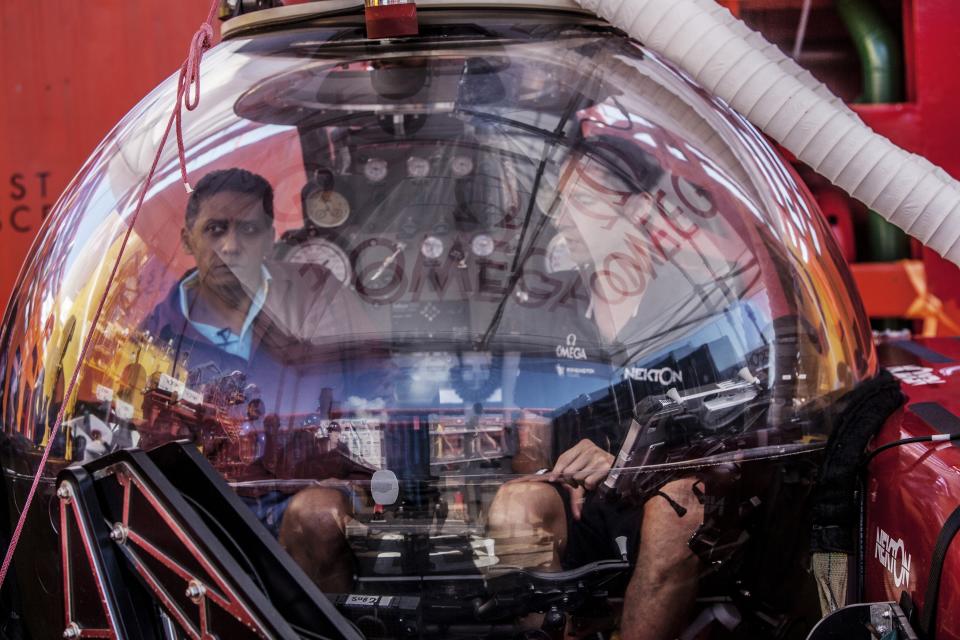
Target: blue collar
222, 337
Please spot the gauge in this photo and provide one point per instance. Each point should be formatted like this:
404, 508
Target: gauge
461, 166
375, 170
432, 247
418, 167
326, 208
482, 245
324, 253
559, 256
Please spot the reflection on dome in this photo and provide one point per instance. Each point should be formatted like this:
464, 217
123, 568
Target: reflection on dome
453, 262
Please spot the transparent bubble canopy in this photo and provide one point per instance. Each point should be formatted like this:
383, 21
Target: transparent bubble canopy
452, 259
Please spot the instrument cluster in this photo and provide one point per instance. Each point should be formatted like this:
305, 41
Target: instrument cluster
387, 214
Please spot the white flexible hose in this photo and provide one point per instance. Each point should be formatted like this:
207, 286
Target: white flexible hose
789, 105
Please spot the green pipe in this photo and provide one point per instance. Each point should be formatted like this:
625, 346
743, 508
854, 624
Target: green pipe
881, 61
878, 48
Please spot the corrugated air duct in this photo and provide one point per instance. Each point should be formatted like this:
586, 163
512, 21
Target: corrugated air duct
790, 106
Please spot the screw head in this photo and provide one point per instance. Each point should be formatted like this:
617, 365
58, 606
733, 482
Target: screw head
64, 493
195, 591
119, 533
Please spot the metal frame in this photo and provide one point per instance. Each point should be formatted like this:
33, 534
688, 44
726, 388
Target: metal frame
201, 593
160, 542
69, 507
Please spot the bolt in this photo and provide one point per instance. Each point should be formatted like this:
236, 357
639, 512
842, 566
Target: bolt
195, 591
119, 533
64, 492
72, 631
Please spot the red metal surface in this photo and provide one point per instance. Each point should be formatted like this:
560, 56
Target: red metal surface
392, 21
913, 489
69, 72
928, 123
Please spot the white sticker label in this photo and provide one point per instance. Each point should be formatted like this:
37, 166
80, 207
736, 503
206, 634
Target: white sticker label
915, 376
363, 601
893, 555
124, 410
104, 394
192, 397
170, 385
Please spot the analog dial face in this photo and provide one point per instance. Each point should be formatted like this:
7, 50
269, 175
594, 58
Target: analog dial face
324, 253
461, 166
418, 167
327, 209
432, 247
375, 170
482, 245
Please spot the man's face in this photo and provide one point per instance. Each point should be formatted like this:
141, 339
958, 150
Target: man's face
230, 238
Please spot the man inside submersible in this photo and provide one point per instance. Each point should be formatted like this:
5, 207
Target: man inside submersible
242, 312
237, 312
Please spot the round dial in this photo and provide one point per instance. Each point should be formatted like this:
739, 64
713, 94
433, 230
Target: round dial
418, 167
375, 170
324, 253
559, 257
482, 245
327, 208
461, 166
432, 247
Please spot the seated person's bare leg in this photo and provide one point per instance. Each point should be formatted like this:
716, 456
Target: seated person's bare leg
313, 532
663, 588
528, 523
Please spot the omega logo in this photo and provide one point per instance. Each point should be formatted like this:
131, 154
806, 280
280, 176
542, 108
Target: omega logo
571, 350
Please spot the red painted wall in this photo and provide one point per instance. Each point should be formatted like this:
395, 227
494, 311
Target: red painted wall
68, 72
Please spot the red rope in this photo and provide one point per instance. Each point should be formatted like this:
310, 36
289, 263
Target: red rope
189, 77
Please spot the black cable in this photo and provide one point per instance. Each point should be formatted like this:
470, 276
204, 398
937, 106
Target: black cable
251, 570
306, 633
940, 437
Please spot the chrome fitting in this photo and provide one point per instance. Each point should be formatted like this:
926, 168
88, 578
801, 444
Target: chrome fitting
119, 533
195, 591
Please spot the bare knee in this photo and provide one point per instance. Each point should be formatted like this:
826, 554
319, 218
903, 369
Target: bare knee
317, 513
525, 503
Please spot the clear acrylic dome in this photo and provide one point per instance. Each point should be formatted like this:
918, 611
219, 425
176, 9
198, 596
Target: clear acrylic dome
453, 258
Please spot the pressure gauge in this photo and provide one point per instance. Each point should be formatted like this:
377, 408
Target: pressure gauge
375, 170
418, 167
432, 248
559, 257
482, 245
324, 253
326, 208
461, 166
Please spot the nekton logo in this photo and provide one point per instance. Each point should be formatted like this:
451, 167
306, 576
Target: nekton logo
665, 376
571, 350
893, 555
